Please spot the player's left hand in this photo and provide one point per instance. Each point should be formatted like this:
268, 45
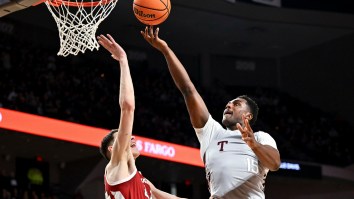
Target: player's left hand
247, 133
112, 46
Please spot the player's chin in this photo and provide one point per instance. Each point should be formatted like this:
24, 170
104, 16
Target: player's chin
135, 155
135, 152
225, 121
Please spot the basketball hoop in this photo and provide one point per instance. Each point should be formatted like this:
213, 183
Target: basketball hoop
77, 22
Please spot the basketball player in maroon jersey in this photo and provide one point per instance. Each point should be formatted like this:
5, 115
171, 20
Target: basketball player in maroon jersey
121, 178
236, 159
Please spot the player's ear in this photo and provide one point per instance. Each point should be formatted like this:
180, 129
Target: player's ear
110, 148
249, 116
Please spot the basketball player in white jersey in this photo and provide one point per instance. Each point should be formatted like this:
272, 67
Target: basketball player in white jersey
236, 159
121, 177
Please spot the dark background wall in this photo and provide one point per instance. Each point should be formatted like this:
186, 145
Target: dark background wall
323, 76
245, 71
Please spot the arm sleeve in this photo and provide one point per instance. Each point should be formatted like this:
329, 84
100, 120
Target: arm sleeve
265, 139
206, 134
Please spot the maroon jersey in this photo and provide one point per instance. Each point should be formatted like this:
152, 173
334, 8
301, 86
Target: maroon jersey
133, 187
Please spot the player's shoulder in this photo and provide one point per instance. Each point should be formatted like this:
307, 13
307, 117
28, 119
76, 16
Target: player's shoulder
262, 134
210, 124
140, 174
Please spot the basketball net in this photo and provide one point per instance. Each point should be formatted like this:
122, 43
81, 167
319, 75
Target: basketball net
77, 22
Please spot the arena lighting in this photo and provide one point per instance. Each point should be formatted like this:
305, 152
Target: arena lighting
77, 133
290, 166
303, 170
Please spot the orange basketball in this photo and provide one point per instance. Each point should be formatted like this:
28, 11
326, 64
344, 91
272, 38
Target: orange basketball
151, 12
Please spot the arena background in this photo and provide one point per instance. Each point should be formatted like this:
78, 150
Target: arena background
296, 59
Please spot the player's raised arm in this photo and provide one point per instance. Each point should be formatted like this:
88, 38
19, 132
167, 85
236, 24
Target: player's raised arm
197, 109
126, 100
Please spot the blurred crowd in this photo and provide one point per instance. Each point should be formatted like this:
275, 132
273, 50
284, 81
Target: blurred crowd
10, 189
85, 90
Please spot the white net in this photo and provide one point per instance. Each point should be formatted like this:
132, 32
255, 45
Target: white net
77, 23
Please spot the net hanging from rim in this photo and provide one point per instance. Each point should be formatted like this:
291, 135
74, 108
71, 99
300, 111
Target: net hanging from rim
77, 22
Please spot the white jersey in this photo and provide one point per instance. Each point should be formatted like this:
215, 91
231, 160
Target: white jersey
232, 168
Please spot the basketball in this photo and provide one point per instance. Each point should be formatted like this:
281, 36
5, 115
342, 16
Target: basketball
151, 12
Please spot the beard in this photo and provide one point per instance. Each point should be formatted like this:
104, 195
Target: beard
229, 122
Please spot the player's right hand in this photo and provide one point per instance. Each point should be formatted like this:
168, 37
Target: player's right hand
152, 37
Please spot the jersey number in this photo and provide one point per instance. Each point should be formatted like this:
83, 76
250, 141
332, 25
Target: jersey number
252, 165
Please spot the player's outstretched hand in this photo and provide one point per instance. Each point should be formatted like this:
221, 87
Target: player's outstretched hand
152, 37
112, 46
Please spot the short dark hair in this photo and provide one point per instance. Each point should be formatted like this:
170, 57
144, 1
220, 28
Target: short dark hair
253, 107
105, 142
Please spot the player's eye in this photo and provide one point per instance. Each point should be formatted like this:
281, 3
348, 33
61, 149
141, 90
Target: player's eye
237, 103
